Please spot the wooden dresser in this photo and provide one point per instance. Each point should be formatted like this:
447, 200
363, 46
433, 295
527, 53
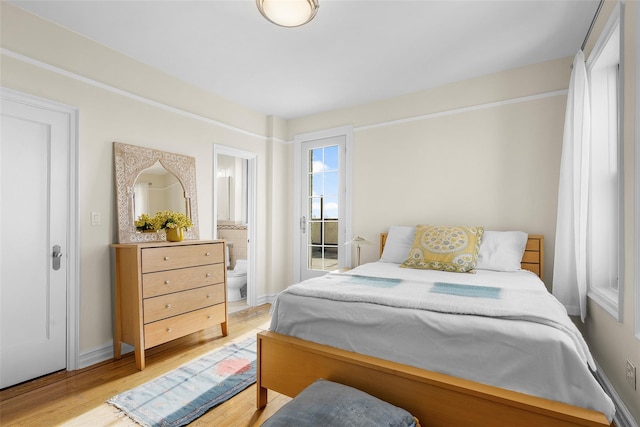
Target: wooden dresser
167, 290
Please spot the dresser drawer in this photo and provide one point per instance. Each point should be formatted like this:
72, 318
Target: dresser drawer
166, 282
173, 257
178, 326
181, 302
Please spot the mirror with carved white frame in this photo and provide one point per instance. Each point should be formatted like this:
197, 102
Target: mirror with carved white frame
130, 161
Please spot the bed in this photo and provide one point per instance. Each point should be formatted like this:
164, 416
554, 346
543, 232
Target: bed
446, 366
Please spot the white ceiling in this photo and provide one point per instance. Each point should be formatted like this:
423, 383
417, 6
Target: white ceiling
353, 52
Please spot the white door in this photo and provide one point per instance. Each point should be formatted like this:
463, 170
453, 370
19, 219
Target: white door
323, 206
34, 191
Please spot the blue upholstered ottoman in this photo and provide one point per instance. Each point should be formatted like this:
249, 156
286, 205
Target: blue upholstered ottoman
329, 404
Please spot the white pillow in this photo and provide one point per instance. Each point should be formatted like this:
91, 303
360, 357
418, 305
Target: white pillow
398, 244
502, 250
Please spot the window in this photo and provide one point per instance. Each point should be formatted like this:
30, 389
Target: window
604, 251
324, 201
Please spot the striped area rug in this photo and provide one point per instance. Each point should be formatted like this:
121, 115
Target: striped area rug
184, 394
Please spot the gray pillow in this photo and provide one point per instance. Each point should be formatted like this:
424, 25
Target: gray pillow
329, 404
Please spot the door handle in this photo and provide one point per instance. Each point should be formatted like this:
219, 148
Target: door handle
57, 255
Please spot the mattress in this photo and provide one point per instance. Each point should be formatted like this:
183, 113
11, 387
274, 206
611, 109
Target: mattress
519, 353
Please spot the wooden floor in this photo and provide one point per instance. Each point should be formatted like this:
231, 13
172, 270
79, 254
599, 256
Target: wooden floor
78, 398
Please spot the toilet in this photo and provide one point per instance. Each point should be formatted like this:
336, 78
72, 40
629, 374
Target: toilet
236, 279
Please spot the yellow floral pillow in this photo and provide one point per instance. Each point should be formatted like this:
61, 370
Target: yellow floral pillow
446, 248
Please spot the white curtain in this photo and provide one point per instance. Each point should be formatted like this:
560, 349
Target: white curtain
570, 263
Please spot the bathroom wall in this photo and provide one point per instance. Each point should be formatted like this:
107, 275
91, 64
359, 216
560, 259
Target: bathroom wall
236, 237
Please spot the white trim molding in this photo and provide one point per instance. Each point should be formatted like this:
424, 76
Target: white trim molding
43, 65
266, 299
460, 110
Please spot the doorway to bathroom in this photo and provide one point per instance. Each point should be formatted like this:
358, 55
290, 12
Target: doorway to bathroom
234, 206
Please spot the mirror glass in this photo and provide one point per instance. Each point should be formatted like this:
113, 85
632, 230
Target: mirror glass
232, 189
155, 190
150, 181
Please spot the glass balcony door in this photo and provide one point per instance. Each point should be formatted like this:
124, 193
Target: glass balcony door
322, 228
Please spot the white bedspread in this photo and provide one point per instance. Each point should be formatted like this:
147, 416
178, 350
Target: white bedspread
502, 329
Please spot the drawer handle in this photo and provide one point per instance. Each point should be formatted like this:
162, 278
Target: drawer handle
208, 295
166, 282
168, 305
209, 316
166, 258
208, 274
168, 329
207, 254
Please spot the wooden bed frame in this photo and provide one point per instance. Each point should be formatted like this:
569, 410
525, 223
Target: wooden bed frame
288, 365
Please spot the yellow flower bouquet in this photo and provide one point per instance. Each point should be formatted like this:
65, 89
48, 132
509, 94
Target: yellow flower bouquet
144, 223
170, 219
172, 222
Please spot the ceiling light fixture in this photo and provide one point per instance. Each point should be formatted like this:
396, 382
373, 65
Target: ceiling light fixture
288, 13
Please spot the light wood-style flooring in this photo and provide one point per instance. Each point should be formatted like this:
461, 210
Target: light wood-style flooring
78, 398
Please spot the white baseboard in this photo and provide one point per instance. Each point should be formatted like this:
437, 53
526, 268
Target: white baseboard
100, 354
266, 299
623, 417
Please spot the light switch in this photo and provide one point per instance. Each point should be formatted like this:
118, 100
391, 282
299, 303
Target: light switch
96, 218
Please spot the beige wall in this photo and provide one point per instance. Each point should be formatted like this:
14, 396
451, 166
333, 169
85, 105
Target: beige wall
484, 151
44, 60
279, 231
236, 237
